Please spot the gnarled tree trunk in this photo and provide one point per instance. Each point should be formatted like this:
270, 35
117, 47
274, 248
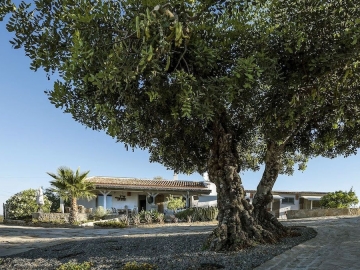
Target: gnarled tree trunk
263, 194
236, 228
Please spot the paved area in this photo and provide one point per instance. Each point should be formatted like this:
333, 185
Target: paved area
337, 245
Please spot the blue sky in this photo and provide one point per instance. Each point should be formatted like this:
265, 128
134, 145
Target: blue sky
36, 138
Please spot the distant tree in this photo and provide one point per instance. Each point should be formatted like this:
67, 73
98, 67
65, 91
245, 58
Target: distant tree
175, 203
70, 186
339, 199
23, 204
54, 198
158, 178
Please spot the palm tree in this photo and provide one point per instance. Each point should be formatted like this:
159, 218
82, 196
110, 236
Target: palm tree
71, 186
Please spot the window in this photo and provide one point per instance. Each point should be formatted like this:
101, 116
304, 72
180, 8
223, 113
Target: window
288, 200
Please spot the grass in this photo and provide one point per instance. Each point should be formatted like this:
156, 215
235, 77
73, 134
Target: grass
139, 266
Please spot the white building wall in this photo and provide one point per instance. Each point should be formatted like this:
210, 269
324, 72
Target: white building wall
207, 200
131, 201
87, 204
284, 207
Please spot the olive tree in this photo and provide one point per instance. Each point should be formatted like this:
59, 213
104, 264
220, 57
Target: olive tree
217, 86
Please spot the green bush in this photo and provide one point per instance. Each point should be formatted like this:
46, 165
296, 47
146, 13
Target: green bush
100, 212
75, 266
339, 199
185, 213
175, 203
149, 217
111, 224
139, 266
23, 204
198, 214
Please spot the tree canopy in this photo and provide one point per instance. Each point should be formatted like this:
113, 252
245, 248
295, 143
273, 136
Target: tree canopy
217, 86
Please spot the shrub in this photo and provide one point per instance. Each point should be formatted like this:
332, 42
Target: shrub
75, 266
185, 213
198, 214
175, 203
139, 266
23, 204
136, 219
111, 224
124, 219
100, 212
148, 218
339, 199
160, 218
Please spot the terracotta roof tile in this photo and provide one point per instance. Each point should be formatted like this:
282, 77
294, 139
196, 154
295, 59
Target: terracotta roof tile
144, 184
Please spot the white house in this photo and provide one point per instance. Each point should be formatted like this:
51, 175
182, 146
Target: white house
284, 201
120, 193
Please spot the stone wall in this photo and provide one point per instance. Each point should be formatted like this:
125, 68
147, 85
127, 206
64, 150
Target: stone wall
57, 217
306, 213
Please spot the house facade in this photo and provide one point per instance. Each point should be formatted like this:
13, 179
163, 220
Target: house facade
284, 201
129, 194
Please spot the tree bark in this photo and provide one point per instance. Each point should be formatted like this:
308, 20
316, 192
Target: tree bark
73, 217
236, 228
264, 195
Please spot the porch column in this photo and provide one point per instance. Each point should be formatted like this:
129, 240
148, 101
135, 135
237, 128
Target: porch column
62, 205
186, 196
104, 193
153, 195
311, 204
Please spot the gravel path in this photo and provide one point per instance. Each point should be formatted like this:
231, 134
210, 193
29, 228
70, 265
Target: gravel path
167, 251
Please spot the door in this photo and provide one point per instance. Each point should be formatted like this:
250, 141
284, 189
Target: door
142, 202
276, 208
159, 200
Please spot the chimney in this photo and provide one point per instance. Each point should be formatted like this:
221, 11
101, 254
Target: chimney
175, 176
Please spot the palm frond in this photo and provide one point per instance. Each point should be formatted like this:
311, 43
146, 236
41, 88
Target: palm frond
70, 184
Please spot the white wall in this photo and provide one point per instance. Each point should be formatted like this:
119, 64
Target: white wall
87, 204
131, 201
284, 207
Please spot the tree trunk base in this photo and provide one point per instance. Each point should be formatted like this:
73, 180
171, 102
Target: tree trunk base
266, 229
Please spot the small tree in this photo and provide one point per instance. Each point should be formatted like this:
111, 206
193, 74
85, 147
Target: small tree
23, 204
70, 186
174, 203
339, 199
54, 198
